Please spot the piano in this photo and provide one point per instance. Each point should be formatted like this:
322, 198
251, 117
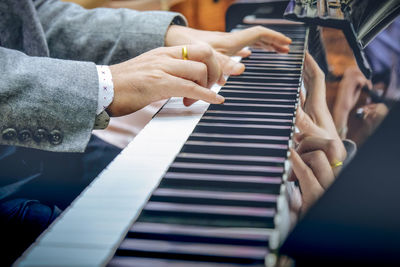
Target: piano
199, 186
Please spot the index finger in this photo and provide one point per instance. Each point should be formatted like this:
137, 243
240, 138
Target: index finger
269, 37
205, 54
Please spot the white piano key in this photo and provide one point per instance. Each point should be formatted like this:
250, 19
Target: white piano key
81, 239
63, 256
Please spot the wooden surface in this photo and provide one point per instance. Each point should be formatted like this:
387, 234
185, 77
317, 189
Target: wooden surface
340, 57
204, 14
143, 4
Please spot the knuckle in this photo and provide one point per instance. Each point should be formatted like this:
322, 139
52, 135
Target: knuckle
319, 154
207, 50
203, 70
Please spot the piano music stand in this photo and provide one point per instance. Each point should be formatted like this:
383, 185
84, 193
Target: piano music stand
358, 218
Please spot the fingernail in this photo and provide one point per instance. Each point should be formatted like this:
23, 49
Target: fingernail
222, 81
238, 68
220, 99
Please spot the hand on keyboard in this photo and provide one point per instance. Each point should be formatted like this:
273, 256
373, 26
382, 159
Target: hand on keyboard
162, 73
230, 44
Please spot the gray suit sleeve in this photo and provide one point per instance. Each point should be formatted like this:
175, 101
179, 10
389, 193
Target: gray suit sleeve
46, 103
102, 35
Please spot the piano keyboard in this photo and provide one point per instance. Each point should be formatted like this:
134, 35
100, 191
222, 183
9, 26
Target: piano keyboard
220, 202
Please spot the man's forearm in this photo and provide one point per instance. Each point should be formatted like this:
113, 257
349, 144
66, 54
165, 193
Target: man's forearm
104, 36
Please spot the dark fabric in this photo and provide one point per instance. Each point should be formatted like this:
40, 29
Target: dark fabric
21, 221
56, 180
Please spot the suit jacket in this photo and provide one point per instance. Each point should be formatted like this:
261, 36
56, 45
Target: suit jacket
48, 78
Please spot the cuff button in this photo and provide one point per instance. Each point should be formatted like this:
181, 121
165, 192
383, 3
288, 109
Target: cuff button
9, 134
40, 134
24, 136
55, 137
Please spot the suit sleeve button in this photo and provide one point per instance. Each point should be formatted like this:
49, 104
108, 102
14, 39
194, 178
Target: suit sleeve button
55, 137
9, 134
40, 134
24, 136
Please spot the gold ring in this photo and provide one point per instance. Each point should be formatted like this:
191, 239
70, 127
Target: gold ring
336, 164
185, 53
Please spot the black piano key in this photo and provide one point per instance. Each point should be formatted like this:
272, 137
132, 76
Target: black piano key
230, 150
228, 171
214, 198
246, 121
261, 159
228, 128
202, 234
259, 101
196, 167
253, 107
261, 79
227, 216
191, 251
259, 87
279, 96
227, 162
132, 261
260, 115
281, 71
222, 182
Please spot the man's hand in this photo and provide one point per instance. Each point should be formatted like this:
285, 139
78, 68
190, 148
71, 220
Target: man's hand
230, 44
162, 73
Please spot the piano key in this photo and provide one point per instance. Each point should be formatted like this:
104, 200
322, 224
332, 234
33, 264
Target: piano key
222, 182
202, 234
244, 119
207, 215
228, 161
260, 87
228, 167
240, 91
250, 113
254, 107
54, 256
191, 251
231, 157
131, 261
214, 198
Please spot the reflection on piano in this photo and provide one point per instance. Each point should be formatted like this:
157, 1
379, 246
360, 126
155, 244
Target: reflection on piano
220, 198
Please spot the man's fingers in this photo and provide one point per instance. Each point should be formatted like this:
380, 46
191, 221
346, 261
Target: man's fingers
202, 53
258, 33
188, 89
189, 70
245, 52
319, 164
229, 66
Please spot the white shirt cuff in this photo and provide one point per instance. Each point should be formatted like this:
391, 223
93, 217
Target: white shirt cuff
106, 88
